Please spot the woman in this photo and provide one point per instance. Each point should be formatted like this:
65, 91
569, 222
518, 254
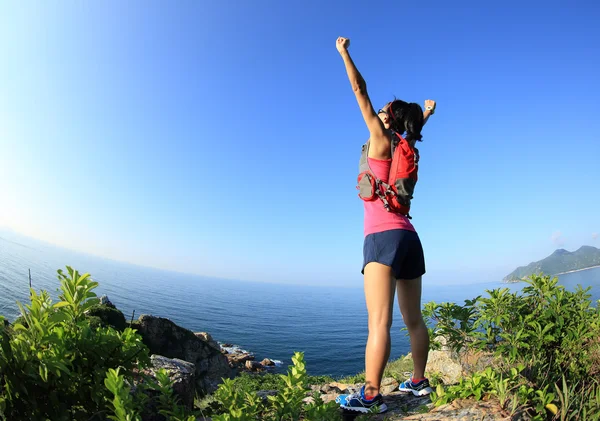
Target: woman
393, 256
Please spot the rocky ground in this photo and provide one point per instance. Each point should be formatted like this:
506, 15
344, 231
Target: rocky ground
405, 406
196, 362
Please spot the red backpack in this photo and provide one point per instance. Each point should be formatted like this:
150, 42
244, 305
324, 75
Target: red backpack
397, 193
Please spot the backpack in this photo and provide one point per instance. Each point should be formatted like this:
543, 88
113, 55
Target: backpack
397, 193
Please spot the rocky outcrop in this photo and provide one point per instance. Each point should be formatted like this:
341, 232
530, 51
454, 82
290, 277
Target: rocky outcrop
406, 406
107, 315
267, 362
450, 366
205, 336
254, 366
163, 337
181, 373
104, 301
239, 359
443, 365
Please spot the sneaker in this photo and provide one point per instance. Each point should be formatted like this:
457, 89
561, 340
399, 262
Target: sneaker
418, 389
358, 403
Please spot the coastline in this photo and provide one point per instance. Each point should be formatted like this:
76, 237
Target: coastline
576, 270
515, 281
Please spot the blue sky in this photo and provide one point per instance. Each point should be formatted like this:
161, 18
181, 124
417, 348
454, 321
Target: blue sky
223, 138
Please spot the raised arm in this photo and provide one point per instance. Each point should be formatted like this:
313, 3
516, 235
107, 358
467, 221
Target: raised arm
429, 110
377, 131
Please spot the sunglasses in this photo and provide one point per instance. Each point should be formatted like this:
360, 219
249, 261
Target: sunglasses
382, 111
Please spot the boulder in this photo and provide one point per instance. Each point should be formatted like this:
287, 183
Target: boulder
388, 385
108, 316
267, 362
253, 366
442, 363
237, 360
104, 301
473, 361
163, 337
182, 373
205, 336
334, 387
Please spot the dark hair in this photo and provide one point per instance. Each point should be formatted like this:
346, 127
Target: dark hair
406, 118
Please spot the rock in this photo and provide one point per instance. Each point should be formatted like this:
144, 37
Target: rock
163, 337
264, 393
388, 385
315, 388
328, 397
308, 400
443, 341
341, 386
104, 301
464, 410
239, 359
473, 361
205, 336
108, 316
267, 362
253, 366
334, 387
442, 363
406, 406
182, 373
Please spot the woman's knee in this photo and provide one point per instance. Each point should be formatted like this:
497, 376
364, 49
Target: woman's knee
380, 321
413, 321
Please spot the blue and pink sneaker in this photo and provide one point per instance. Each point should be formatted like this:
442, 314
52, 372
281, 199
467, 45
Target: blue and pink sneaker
359, 403
420, 388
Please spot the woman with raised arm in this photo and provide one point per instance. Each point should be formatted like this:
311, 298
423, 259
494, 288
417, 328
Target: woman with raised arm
392, 251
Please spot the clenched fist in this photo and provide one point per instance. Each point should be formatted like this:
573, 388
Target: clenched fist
430, 105
342, 44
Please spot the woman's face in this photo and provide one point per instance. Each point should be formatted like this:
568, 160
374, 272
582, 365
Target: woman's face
384, 116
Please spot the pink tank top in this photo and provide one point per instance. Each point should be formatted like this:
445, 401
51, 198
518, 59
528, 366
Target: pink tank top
377, 219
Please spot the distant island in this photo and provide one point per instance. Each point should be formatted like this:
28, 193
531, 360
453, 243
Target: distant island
558, 263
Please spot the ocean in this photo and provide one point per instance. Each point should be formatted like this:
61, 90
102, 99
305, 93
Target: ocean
270, 320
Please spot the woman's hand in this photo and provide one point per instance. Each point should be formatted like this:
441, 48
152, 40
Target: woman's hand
342, 44
429, 110
430, 105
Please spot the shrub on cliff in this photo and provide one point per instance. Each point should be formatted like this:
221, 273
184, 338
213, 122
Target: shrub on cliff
109, 316
243, 404
54, 365
545, 343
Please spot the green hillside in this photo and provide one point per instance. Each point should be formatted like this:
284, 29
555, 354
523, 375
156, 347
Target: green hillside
559, 262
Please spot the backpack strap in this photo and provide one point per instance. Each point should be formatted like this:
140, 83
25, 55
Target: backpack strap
363, 164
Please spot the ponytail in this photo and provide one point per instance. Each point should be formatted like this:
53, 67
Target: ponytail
407, 119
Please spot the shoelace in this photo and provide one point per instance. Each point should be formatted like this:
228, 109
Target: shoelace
355, 395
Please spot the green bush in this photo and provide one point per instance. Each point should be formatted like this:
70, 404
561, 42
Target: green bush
242, 404
54, 365
66, 361
109, 316
546, 343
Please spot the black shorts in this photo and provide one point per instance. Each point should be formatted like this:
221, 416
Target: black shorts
400, 249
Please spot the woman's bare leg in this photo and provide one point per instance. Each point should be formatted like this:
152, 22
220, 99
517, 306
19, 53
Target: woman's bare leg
409, 300
379, 296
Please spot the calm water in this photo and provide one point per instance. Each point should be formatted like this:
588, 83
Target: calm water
328, 324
